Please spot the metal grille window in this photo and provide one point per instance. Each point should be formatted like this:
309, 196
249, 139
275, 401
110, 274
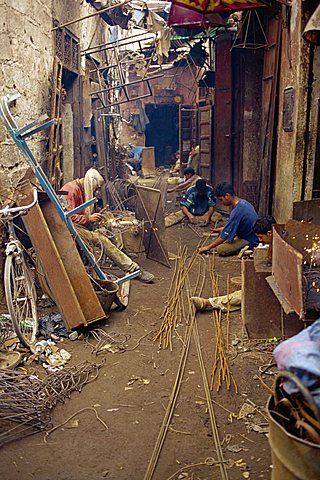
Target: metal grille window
66, 47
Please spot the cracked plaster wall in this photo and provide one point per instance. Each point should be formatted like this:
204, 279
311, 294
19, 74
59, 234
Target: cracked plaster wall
26, 59
290, 147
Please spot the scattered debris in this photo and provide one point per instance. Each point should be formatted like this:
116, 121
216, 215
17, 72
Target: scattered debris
246, 410
52, 324
262, 428
236, 448
106, 342
73, 424
140, 380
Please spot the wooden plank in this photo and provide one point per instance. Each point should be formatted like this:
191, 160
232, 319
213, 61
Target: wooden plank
187, 130
73, 264
269, 98
261, 261
205, 142
55, 137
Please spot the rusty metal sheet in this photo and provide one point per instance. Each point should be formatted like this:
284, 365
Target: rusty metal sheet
149, 209
287, 268
307, 210
73, 264
259, 321
302, 236
55, 272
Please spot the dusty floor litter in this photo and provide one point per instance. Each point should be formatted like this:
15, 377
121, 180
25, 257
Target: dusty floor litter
114, 422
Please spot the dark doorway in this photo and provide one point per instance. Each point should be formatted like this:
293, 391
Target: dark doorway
162, 132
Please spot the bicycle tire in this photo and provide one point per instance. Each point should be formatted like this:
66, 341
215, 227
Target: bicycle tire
21, 299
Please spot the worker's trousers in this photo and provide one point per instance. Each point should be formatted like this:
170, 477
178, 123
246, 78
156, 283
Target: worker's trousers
114, 253
231, 248
176, 217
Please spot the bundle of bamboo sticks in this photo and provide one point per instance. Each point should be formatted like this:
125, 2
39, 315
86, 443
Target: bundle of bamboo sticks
175, 310
221, 367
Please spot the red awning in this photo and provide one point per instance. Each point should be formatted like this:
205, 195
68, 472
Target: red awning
186, 18
216, 6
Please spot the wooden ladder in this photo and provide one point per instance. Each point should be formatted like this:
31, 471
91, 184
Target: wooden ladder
54, 170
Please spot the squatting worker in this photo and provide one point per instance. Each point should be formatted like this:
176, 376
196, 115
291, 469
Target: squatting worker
81, 190
190, 179
198, 201
263, 229
238, 232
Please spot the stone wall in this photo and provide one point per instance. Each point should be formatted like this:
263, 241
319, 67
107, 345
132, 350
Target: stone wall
26, 57
290, 147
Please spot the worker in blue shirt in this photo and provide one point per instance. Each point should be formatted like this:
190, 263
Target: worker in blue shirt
199, 200
238, 231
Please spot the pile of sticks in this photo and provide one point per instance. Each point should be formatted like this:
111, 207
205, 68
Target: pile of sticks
221, 367
175, 312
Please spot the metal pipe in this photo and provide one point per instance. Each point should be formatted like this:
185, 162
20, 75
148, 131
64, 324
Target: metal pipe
117, 42
109, 46
126, 84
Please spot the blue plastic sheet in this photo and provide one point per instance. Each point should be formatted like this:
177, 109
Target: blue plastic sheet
301, 355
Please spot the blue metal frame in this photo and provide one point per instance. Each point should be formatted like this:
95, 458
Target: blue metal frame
19, 135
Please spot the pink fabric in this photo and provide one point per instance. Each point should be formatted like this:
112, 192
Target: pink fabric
75, 198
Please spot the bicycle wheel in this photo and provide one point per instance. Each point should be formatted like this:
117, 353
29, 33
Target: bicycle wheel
21, 299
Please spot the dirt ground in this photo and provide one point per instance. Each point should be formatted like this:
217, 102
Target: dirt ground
85, 449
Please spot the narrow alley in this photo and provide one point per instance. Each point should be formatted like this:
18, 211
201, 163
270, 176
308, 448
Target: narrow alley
160, 240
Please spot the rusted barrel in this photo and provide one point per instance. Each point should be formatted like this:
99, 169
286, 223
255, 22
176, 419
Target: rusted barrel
293, 458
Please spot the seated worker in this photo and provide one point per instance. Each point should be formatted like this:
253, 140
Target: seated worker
199, 200
81, 190
237, 233
135, 157
263, 229
176, 167
190, 179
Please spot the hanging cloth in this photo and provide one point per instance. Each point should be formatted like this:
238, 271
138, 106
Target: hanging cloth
92, 181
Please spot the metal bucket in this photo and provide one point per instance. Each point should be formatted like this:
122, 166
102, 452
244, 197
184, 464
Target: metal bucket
292, 458
107, 293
